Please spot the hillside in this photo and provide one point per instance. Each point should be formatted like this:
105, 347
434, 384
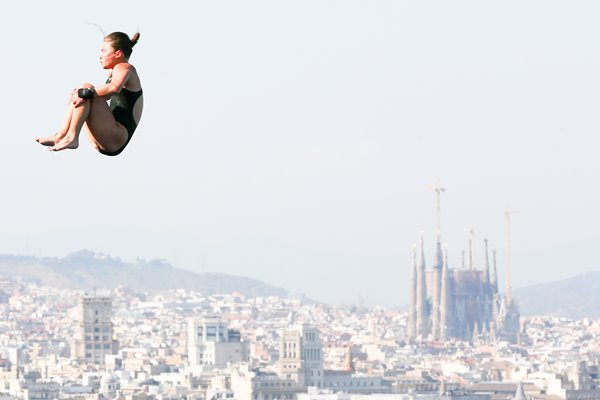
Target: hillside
575, 297
87, 270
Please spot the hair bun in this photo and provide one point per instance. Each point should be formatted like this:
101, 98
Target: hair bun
135, 38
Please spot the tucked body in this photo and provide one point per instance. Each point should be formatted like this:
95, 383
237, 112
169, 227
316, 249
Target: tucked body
109, 127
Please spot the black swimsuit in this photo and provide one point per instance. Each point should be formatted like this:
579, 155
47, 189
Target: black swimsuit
121, 105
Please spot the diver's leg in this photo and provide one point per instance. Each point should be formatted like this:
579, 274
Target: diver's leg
70, 140
52, 140
102, 129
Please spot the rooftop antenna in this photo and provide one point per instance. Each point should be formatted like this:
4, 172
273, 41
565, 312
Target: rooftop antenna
507, 219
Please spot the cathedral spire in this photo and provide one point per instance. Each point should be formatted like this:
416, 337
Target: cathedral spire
471, 231
495, 279
487, 263
439, 254
422, 317
439, 190
413, 297
444, 298
436, 277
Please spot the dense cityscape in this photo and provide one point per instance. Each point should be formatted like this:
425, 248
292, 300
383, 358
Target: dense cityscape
461, 337
183, 345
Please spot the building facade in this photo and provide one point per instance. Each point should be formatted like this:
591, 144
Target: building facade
211, 342
301, 355
93, 339
460, 303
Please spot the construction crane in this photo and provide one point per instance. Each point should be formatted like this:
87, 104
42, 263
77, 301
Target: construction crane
507, 262
438, 189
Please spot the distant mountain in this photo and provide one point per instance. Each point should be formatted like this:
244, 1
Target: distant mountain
575, 297
87, 270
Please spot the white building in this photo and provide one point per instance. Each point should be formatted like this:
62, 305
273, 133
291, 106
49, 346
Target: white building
211, 342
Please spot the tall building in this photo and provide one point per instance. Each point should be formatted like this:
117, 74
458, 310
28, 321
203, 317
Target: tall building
93, 338
211, 342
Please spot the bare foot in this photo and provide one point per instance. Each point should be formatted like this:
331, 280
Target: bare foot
50, 140
46, 141
65, 143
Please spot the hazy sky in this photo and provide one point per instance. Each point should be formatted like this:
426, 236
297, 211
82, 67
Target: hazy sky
293, 141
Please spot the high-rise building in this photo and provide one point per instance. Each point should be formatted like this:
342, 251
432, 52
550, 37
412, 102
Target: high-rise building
93, 338
211, 342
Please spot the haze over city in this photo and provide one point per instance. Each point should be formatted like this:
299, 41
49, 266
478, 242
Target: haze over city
293, 142
323, 200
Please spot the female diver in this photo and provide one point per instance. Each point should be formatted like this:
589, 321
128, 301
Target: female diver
108, 127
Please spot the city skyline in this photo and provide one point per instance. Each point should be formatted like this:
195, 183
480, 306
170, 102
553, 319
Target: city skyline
229, 346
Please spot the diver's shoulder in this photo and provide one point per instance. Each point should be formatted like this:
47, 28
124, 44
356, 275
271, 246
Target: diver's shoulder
125, 67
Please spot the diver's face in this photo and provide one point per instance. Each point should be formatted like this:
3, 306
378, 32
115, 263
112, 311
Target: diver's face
109, 57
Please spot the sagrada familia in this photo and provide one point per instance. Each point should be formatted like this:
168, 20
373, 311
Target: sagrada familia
461, 303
